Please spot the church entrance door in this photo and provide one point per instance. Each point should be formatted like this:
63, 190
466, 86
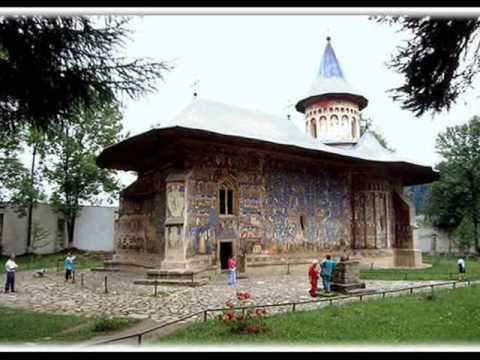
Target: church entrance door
226, 250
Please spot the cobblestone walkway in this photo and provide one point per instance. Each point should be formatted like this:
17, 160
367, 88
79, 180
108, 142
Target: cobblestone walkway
52, 294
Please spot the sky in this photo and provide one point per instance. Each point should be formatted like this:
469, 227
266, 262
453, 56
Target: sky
268, 62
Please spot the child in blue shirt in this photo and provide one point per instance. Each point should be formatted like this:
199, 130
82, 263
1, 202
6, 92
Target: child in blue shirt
69, 266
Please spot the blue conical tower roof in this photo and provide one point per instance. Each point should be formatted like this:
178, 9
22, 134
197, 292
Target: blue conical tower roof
330, 81
330, 67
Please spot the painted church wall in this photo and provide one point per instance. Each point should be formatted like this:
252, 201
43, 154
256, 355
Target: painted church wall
140, 228
283, 206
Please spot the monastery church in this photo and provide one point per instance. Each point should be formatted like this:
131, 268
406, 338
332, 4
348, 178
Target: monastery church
220, 180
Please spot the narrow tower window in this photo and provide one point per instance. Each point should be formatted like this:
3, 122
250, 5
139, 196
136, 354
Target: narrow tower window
313, 128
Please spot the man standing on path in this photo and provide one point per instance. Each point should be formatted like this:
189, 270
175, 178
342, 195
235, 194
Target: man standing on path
327, 265
10, 267
69, 266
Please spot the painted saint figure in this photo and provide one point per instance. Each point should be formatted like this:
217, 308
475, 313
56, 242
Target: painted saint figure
327, 265
313, 276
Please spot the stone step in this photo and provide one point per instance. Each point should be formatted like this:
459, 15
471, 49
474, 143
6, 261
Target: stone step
112, 263
172, 282
105, 269
177, 274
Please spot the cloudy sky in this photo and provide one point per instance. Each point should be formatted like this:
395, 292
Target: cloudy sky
266, 62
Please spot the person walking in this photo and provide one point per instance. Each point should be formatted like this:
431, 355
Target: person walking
10, 267
461, 268
232, 271
327, 265
69, 268
313, 276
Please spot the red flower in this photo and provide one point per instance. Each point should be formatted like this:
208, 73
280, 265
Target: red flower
247, 295
252, 329
258, 311
240, 317
229, 315
229, 304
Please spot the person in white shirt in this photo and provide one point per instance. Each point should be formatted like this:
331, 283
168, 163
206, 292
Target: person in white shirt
10, 267
461, 268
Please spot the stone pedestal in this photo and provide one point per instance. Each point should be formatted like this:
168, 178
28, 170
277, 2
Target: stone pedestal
346, 276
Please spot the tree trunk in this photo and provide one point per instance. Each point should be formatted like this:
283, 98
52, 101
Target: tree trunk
30, 203
475, 235
71, 230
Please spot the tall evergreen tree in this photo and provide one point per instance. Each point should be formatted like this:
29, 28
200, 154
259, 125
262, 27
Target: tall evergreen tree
439, 61
52, 68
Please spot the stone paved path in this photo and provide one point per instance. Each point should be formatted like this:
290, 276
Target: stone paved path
52, 294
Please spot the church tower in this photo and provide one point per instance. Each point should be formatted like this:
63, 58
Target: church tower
332, 107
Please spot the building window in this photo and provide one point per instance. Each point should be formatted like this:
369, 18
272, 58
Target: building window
354, 128
227, 198
302, 223
313, 128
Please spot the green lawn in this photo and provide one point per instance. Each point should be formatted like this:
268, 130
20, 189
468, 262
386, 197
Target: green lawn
451, 316
25, 326
443, 268
84, 260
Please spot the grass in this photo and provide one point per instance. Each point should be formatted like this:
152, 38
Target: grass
443, 268
449, 316
19, 325
84, 260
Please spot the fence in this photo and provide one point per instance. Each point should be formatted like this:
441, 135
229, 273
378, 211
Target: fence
293, 305
413, 274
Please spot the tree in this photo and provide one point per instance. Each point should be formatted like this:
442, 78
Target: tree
444, 200
53, 68
457, 194
439, 61
13, 172
72, 171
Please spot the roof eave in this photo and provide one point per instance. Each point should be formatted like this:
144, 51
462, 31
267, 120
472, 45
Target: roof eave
302, 104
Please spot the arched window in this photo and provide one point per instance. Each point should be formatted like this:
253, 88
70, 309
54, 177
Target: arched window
323, 126
354, 128
334, 120
227, 195
313, 128
345, 125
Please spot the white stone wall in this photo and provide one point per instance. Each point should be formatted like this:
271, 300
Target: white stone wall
94, 230
445, 242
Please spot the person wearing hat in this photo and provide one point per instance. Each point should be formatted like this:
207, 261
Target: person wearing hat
313, 276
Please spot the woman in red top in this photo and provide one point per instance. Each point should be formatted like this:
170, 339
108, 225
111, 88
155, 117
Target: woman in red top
313, 275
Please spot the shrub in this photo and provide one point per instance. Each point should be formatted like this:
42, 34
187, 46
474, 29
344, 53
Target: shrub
238, 321
106, 324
